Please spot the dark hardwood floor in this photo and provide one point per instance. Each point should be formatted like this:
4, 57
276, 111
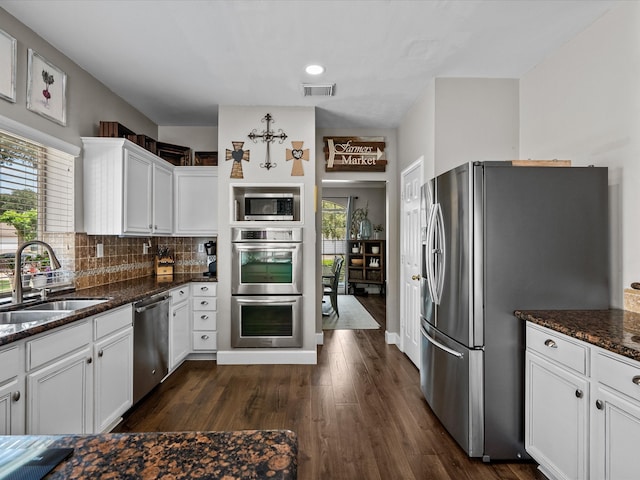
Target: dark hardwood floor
359, 413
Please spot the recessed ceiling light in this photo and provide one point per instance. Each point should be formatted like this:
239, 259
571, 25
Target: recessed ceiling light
314, 69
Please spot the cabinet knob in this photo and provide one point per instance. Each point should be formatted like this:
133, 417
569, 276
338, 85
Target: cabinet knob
599, 404
579, 393
204, 317
174, 314
155, 226
204, 302
550, 343
150, 226
636, 379
15, 396
204, 289
101, 353
89, 360
205, 337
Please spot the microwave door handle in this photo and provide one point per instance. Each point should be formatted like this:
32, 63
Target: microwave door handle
430, 255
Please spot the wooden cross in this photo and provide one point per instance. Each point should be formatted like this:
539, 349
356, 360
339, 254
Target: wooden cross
237, 155
297, 154
268, 136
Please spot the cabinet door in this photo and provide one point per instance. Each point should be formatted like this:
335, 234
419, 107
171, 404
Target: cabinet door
180, 335
556, 416
162, 200
59, 396
137, 193
616, 436
113, 378
196, 201
12, 407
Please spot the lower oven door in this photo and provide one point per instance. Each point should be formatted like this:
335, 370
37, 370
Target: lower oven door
266, 321
266, 268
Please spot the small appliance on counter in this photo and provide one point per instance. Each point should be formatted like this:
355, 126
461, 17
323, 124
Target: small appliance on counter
210, 248
164, 262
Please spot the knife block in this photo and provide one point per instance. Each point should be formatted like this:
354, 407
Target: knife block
163, 266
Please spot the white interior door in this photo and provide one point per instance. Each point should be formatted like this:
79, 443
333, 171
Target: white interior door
410, 242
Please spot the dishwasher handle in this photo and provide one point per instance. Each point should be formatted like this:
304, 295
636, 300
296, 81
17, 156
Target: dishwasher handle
151, 303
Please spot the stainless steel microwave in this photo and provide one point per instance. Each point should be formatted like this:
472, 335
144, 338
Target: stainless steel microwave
268, 206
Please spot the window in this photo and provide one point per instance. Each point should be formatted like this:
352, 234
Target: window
36, 202
334, 231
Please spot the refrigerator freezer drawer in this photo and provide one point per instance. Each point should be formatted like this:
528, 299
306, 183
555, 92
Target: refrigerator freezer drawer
451, 380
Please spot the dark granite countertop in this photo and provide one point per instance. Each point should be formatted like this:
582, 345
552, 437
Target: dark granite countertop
615, 330
119, 293
248, 454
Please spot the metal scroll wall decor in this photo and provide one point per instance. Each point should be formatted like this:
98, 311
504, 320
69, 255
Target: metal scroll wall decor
237, 155
268, 136
297, 154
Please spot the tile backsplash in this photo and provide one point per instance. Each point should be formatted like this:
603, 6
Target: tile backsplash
123, 257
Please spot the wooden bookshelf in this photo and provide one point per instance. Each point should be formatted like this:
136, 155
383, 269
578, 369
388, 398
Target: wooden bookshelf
366, 263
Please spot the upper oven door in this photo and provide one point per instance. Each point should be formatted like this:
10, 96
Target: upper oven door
266, 269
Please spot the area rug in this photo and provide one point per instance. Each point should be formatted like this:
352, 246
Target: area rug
353, 316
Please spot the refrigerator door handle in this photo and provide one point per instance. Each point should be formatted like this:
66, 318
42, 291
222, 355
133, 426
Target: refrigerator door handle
437, 344
440, 252
430, 254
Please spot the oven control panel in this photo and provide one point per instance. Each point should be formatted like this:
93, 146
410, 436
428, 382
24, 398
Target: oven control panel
271, 234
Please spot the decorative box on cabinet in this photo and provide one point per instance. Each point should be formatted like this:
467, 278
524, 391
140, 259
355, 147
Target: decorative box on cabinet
196, 201
12, 391
113, 376
127, 190
204, 315
366, 263
179, 330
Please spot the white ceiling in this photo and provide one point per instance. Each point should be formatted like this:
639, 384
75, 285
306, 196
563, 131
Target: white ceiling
177, 60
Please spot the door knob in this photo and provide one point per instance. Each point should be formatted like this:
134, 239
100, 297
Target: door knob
415, 277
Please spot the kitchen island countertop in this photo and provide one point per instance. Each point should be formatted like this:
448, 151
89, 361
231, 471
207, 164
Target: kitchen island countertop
614, 330
255, 454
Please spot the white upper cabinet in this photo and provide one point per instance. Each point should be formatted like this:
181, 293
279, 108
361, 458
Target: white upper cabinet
127, 190
196, 201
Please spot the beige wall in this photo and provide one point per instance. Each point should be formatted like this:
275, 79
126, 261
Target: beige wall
583, 103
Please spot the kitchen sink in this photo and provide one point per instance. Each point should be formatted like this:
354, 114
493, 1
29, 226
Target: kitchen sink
23, 316
70, 304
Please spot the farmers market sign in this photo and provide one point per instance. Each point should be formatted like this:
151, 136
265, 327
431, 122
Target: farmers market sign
353, 154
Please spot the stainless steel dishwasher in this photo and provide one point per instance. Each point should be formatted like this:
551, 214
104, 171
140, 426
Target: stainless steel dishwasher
150, 344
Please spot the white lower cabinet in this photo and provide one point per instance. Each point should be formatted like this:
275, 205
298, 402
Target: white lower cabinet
113, 376
179, 330
12, 398
204, 314
60, 382
582, 409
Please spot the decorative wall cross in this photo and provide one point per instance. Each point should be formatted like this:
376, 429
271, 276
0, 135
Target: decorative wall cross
237, 155
268, 136
297, 154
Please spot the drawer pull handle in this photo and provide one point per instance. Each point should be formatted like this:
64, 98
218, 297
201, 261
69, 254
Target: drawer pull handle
15, 396
181, 292
636, 379
579, 393
204, 302
550, 343
204, 317
204, 289
205, 337
599, 404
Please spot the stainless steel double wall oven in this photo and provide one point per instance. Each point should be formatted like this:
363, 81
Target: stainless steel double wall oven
266, 287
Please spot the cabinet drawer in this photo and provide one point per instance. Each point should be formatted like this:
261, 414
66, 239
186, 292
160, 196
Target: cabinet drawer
204, 289
618, 374
112, 321
204, 303
10, 361
558, 348
205, 341
55, 345
179, 295
205, 320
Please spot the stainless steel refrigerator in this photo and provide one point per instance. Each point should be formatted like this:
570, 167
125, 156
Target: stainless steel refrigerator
498, 238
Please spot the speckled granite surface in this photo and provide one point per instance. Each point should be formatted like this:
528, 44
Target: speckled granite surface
615, 330
249, 454
119, 293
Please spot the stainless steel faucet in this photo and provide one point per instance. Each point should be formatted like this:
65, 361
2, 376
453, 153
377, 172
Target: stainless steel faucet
16, 293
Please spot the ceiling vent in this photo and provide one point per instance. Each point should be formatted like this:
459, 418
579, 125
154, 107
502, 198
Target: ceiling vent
318, 89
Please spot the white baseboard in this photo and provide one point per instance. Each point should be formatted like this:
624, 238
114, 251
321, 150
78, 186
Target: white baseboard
268, 357
320, 338
391, 338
